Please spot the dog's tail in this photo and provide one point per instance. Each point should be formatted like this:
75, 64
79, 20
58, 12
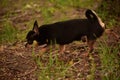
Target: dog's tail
92, 16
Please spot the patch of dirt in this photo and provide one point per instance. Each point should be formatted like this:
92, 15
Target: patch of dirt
17, 62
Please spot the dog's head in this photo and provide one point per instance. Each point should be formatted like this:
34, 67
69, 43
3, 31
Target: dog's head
32, 34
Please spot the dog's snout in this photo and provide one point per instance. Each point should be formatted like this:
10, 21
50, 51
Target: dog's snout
26, 44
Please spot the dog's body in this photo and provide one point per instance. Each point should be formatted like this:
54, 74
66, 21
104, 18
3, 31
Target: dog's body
68, 31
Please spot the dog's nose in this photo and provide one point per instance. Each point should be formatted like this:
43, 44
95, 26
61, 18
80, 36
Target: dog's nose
28, 45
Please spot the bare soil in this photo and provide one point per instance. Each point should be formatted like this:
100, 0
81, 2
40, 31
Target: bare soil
17, 62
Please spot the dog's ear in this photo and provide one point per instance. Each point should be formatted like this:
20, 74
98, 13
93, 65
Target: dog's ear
35, 27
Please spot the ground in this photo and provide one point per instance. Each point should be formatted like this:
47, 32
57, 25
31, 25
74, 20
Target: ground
18, 62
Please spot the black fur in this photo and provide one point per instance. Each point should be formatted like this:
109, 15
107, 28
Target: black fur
67, 31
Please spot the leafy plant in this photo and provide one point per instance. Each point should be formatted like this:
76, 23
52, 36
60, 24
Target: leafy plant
9, 33
50, 68
109, 62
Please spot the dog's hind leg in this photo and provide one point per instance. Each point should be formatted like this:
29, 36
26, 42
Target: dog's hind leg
62, 48
90, 45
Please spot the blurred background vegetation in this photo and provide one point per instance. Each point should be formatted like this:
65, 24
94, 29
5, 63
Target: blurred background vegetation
19, 15
17, 18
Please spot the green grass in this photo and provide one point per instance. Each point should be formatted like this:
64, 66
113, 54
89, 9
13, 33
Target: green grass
110, 62
3, 3
91, 76
73, 3
109, 21
47, 10
107, 16
9, 33
50, 68
54, 69
22, 34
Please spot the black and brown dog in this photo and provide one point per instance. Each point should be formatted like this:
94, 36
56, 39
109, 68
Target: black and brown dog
68, 31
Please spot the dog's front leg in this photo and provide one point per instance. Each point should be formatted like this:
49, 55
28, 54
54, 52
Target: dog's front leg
45, 49
90, 45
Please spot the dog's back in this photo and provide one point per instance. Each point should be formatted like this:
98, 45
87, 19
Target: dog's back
71, 30
67, 31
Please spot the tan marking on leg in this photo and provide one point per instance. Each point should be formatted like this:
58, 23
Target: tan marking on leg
62, 48
90, 45
43, 50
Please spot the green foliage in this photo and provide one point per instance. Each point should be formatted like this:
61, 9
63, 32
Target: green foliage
73, 3
47, 13
3, 3
46, 9
50, 68
109, 21
109, 13
110, 62
91, 76
9, 33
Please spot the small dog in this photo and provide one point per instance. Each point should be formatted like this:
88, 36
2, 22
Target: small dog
68, 31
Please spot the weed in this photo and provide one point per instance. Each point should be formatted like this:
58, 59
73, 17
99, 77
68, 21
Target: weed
107, 14
4, 3
47, 13
50, 68
9, 33
92, 70
109, 62
72, 3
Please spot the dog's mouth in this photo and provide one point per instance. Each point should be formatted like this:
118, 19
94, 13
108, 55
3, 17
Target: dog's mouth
27, 45
31, 44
